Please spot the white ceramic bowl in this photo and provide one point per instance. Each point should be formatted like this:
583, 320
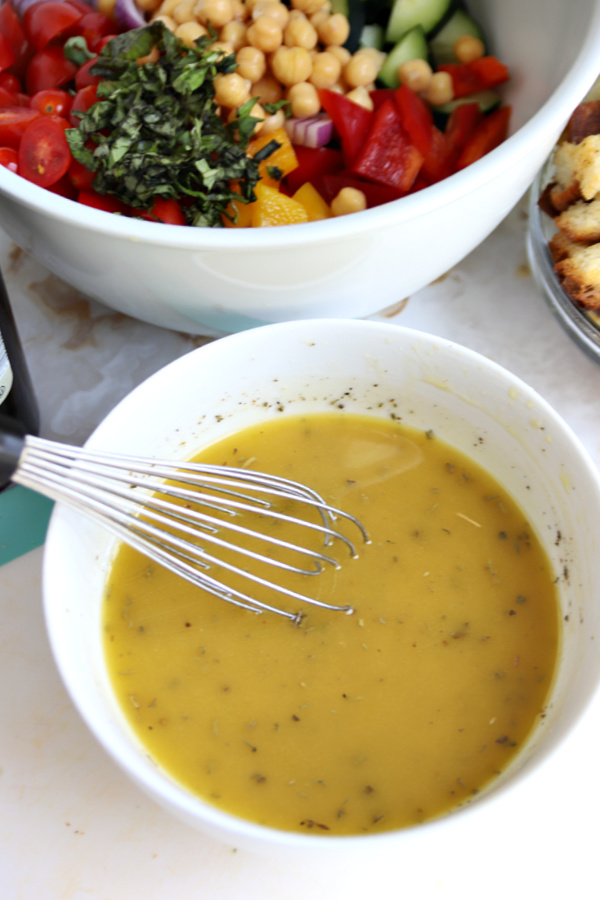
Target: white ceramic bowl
223, 280
468, 401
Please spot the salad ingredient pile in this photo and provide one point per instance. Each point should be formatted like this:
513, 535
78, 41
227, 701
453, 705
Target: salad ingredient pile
244, 113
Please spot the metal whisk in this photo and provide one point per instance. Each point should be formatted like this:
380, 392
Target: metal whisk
187, 516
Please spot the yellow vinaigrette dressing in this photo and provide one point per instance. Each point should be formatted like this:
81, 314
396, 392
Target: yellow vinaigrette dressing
349, 724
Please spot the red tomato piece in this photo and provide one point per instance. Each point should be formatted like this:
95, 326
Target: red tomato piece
7, 54
64, 188
82, 101
44, 154
48, 68
13, 31
13, 122
490, 133
10, 82
8, 98
417, 118
387, 156
313, 162
52, 102
9, 158
44, 22
80, 177
167, 211
351, 121
83, 77
103, 202
94, 26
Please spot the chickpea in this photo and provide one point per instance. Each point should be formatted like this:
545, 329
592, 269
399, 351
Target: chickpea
189, 32
340, 53
291, 65
300, 33
267, 89
251, 63
334, 30
349, 200
416, 74
304, 100
167, 21
231, 90
326, 70
377, 56
274, 9
257, 112
240, 10
222, 48
360, 70
265, 34
274, 122
468, 47
214, 12
234, 34
440, 89
308, 6
184, 11
361, 96
166, 8
319, 16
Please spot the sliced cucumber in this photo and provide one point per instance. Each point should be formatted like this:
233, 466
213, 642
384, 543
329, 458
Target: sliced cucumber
406, 14
372, 36
488, 100
442, 42
412, 45
354, 10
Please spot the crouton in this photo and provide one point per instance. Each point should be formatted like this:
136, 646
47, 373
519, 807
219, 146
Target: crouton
578, 164
584, 121
579, 274
581, 221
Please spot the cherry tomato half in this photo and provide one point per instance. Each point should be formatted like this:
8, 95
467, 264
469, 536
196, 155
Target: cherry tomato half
93, 27
84, 77
13, 122
10, 82
167, 211
52, 102
7, 54
80, 177
46, 21
103, 202
9, 158
82, 101
12, 29
44, 154
49, 68
8, 98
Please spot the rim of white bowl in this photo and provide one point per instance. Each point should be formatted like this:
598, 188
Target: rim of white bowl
160, 786
554, 113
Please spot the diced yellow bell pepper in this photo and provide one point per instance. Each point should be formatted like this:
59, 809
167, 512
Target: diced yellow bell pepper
241, 212
279, 163
274, 208
315, 206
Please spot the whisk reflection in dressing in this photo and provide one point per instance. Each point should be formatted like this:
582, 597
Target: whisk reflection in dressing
190, 517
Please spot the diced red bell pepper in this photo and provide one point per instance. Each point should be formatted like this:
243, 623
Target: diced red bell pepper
490, 133
417, 118
387, 156
476, 75
462, 122
313, 162
380, 95
439, 163
330, 185
350, 120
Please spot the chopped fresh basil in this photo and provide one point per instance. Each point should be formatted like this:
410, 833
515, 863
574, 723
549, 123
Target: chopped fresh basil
155, 130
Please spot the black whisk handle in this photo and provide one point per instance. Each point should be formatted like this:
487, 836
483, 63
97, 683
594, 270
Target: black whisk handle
12, 441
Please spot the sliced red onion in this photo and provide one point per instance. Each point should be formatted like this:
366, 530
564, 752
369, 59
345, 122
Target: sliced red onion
128, 15
315, 131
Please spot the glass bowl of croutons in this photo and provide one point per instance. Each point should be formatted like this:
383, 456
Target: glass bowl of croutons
564, 227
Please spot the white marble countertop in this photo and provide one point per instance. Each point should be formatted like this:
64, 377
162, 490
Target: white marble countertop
73, 828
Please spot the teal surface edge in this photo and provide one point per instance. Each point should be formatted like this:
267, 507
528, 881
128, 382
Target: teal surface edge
24, 517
